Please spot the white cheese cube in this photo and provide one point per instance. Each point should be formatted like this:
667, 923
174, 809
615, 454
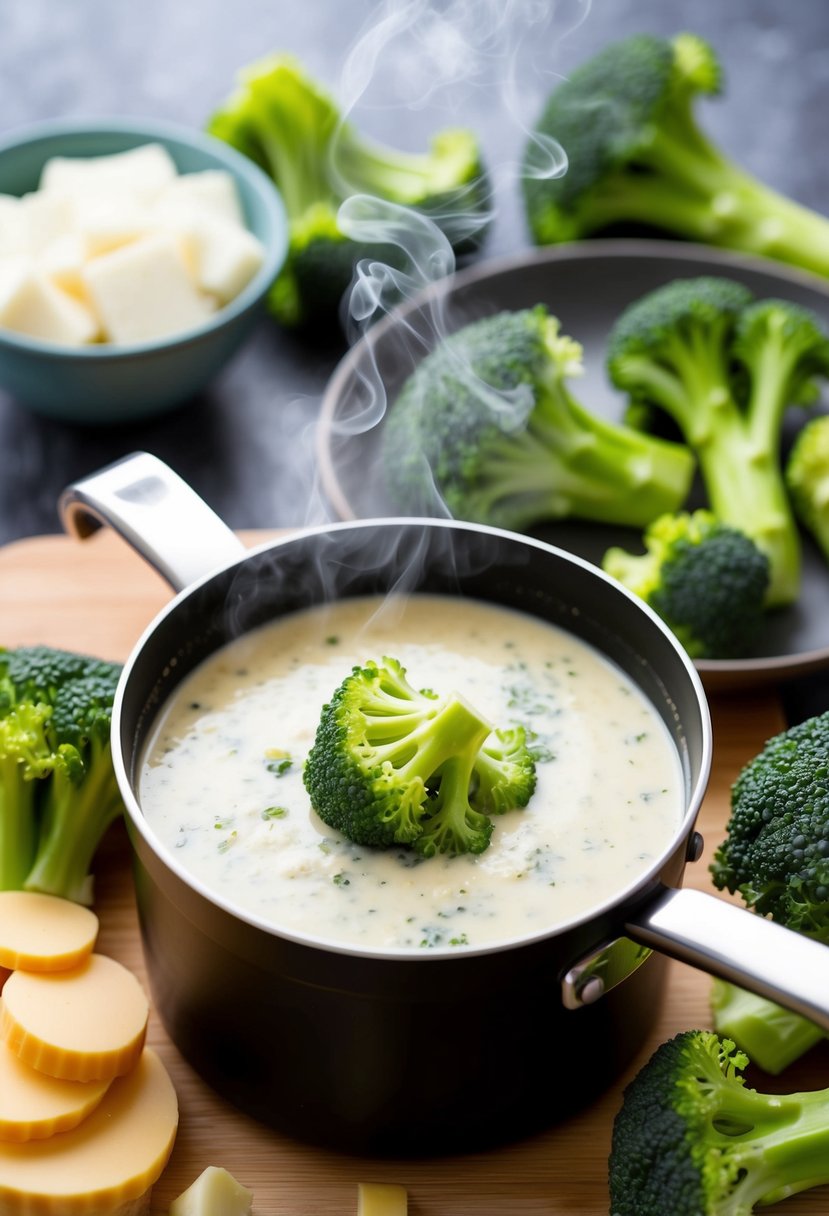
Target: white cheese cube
63, 260
46, 217
109, 219
12, 226
209, 192
226, 257
31, 305
143, 172
143, 291
214, 1193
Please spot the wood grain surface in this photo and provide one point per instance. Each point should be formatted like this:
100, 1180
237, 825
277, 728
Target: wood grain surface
97, 597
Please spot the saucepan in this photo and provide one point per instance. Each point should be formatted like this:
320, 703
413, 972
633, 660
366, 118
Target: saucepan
380, 1051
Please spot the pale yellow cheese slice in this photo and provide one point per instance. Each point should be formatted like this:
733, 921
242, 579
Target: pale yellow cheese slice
381, 1199
44, 933
86, 1024
33, 1106
214, 1193
110, 1159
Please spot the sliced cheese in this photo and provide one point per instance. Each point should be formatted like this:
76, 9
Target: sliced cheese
85, 1024
214, 1193
143, 291
34, 1106
144, 172
44, 933
381, 1199
110, 1159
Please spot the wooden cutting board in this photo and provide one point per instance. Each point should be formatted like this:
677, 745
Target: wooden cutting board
97, 597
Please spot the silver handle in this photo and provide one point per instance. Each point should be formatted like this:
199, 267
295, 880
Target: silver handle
735, 944
157, 513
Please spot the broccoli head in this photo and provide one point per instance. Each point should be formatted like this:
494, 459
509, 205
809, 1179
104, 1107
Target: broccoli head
706, 580
724, 367
806, 473
636, 156
692, 1139
776, 856
284, 121
58, 792
487, 424
394, 765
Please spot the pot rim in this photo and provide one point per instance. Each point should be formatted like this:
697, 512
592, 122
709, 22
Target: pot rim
648, 878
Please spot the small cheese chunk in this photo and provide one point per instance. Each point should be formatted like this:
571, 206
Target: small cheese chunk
12, 226
109, 219
381, 1199
143, 291
43, 932
63, 260
142, 172
81, 1025
214, 1193
208, 192
33, 1106
30, 304
110, 1159
226, 257
45, 217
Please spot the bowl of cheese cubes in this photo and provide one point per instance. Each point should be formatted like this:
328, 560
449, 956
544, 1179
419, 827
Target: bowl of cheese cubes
135, 258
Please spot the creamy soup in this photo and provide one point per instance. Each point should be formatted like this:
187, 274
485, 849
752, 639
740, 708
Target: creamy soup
221, 778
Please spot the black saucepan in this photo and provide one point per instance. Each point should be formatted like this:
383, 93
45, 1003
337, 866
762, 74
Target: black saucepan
386, 1053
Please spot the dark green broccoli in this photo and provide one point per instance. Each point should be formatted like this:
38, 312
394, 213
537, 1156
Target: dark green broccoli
394, 765
775, 854
58, 792
637, 156
487, 421
725, 367
706, 580
280, 118
692, 1139
806, 473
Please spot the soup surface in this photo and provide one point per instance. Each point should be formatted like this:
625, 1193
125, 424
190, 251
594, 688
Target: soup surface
221, 778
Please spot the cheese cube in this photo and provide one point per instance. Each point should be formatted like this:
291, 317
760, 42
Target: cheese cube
12, 226
63, 260
143, 291
214, 1193
30, 304
109, 219
209, 192
226, 257
45, 217
143, 172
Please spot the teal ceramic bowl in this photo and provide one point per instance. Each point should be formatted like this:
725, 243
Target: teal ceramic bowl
109, 384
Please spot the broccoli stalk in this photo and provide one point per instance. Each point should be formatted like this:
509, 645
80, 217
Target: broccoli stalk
706, 580
775, 855
487, 423
280, 118
637, 155
725, 368
58, 792
806, 474
691, 1139
394, 765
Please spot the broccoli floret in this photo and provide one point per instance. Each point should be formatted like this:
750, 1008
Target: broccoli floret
637, 156
394, 765
706, 580
487, 420
692, 1139
775, 854
806, 474
284, 121
58, 792
725, 367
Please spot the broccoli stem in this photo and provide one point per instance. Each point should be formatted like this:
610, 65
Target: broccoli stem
75, 817
771, 1036
788, 1138
18, 820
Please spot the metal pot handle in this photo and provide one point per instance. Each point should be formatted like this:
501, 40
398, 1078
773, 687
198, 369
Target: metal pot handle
157, 513
730, 942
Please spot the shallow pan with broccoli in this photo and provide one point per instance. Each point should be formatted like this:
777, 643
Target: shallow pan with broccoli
587, 287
